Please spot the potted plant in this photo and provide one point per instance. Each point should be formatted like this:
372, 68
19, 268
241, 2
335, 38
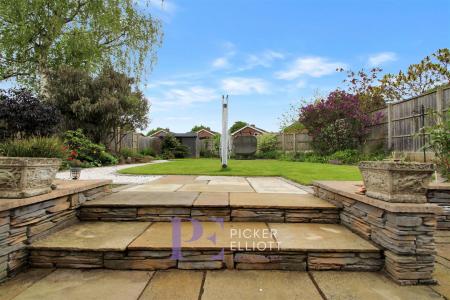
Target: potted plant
28, 167
396, 181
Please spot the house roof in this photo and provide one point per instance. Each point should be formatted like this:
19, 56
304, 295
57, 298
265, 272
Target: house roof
250, 126
187, 134
158, 132
209, 131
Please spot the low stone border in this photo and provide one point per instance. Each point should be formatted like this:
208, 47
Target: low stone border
403, 231
439, 194
23, 221
201, 260
165, 213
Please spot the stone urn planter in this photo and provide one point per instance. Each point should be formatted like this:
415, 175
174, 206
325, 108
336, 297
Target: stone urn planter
395, 181
22, 177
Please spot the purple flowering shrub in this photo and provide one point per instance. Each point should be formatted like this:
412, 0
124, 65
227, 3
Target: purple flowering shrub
337, 122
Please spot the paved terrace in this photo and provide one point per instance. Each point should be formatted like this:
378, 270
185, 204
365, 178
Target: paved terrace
205, 191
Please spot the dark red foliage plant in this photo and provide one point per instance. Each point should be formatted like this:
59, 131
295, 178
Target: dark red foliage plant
337, 122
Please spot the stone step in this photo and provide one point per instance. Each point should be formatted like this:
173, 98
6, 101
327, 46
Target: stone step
229, 206
212, 245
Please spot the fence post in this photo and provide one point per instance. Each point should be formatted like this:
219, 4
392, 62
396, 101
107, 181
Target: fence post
389, 110
439, 105
295, 142
283, 148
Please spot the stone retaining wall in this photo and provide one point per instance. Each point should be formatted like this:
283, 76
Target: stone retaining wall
164, 214
23, 221
405, 232
202, 260
440, 195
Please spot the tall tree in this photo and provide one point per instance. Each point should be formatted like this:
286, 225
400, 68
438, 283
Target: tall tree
99, 105
419, 78
152, 131
39, 35
366, 86
237, 125
200, 127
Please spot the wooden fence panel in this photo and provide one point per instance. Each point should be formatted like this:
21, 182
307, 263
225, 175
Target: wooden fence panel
399, 128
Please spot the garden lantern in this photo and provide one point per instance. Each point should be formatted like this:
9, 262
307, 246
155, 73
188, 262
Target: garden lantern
75, 173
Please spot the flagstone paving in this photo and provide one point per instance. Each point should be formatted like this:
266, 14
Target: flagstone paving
198, 187
133, 198
273, 185
368, 286
154, 187
259, 285
319, 237
159, 236
271, 200
94, 284
228, 284
94, 236
174, 284
213, 199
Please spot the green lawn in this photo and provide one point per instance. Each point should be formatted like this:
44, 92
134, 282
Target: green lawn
300, 172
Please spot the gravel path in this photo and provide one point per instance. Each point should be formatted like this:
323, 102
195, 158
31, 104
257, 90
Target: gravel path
110, 173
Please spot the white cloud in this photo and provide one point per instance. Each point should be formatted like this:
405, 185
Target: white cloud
245, 85
313, 66
220, 63
264, 59
380, 58
184, 97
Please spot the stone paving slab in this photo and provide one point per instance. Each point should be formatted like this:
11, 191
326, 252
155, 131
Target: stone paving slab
154, 187
368, 286
174, 284
93, 236
259, 285
126, 198
94, 284
212, 199
270, 200
228, 179
230, 284
18, 284
442, 275
320, 238
273, 185
215, 188
443, 250
177, 179
159, 236
110, 173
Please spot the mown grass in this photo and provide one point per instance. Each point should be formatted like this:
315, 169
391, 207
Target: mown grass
301, 172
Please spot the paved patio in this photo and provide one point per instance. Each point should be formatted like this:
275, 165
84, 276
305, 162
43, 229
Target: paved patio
227, 284
204, 191
110, 173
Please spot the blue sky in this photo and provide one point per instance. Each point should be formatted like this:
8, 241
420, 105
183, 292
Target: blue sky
268, 54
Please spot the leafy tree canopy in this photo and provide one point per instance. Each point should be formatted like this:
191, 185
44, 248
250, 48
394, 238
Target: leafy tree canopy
336, 123
23, 114
419, 78
366, 85
39, 35
99, 105
152, 131
237, 125
200, 127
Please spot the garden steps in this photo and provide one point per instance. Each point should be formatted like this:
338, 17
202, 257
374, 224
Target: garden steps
142, 203
232, 245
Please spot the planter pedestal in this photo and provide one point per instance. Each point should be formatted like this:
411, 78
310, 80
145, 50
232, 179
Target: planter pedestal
399, 182
22, 177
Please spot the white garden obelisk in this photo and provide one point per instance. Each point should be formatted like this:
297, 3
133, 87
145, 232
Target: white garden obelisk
224, 137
